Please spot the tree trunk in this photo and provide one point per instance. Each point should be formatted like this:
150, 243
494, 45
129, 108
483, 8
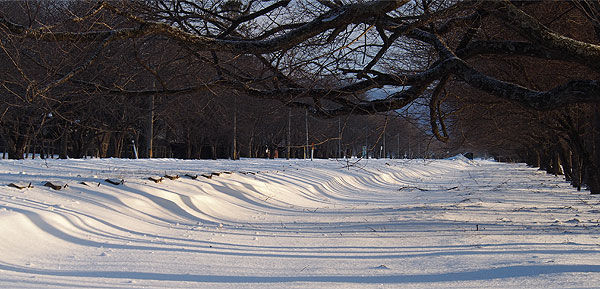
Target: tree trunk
250, 153
64, 145
15, 147
188, 143
577, 171
117, 145
556, 163
538, 159
565, 159
148, 129
593, 180
103, 144
593, 171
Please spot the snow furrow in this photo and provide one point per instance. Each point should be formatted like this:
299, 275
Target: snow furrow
402, 223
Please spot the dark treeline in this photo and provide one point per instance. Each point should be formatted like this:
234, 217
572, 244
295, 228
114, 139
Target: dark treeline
141, 93
563, 141
196, 127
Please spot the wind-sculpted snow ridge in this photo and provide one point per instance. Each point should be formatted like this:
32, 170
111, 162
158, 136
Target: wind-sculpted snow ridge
452, 223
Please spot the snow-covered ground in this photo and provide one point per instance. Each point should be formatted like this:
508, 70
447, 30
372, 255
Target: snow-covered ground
294, 224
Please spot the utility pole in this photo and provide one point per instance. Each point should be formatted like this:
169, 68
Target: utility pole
383, 147
306, 122
366, 147
289, 133
409, 156
234, 155
384, 151
339, 136
398, 146
149, 126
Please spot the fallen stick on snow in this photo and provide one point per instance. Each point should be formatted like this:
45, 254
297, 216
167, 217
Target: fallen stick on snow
426, 190
115, 182
20, 186
55, 186
89, 184
156, 179
411, 187
170, 177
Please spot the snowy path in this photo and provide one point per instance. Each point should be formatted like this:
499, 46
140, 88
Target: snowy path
294, 224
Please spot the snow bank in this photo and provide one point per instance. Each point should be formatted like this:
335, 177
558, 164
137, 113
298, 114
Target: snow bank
309, 224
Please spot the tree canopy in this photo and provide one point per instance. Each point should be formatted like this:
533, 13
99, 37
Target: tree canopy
364, 45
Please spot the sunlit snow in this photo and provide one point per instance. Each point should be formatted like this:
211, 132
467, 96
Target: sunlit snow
294, 224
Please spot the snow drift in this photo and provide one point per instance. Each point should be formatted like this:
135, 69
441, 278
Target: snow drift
277, 223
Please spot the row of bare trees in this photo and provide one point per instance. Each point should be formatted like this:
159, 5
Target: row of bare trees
518, 79
78, 98
563, 139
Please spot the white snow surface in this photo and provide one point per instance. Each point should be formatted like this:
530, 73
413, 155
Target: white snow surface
450, 223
